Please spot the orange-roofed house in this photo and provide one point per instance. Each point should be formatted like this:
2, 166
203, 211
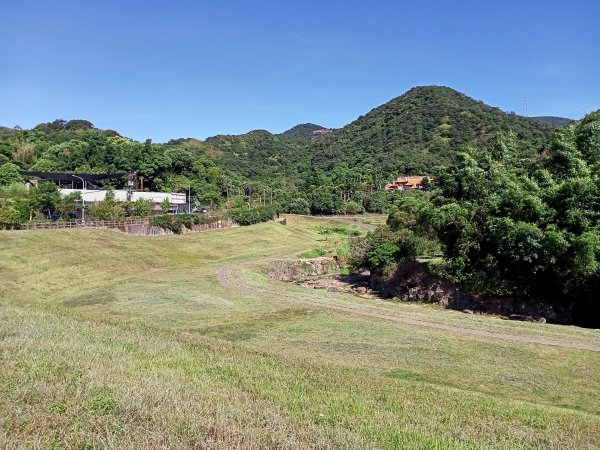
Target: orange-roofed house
403, 183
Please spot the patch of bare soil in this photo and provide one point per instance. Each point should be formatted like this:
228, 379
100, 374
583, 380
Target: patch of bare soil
355, 284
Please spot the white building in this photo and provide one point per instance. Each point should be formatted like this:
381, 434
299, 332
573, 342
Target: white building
90, 196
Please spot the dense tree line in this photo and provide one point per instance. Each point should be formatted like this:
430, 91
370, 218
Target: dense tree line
510, 225
342, 172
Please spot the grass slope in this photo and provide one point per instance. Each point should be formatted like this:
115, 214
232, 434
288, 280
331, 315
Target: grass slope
113, 341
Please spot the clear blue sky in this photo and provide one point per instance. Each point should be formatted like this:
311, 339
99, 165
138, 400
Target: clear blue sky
168, 69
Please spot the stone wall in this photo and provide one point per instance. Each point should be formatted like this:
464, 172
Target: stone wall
290, 270
412, 282
146, 229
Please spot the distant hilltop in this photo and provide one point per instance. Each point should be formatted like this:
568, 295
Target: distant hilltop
554, 121
306, 131
320, 132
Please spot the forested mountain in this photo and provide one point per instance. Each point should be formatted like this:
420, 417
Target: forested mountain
420, 129
554, 121
257, 155
415, 133
303, 132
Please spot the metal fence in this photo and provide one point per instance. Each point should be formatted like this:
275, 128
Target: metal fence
78, 224
60, 225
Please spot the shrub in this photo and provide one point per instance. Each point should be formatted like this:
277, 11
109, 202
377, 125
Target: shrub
338, 230
385, 247
378, 202
326, 202
141, 207
107, 209
298, 206
10, 217
177, 222
354, 208
251, 216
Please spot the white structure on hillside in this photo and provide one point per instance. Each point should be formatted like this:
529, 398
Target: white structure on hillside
91, 196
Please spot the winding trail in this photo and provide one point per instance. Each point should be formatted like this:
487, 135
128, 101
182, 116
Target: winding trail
226, 276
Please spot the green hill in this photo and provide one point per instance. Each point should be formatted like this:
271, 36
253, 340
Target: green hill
553, 121
302, 132
257, 155
412, 133
421, 128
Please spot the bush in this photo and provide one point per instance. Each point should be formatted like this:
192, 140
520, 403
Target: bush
298, 206
141, 207
251, 216
338, 230
177, 222
385, 247
380, 201
354, 208
326, 202
107, 209
10, 217
10, 174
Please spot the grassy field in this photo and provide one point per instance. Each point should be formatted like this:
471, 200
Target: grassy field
110, 341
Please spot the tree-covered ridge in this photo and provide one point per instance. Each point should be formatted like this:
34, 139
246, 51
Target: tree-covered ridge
303, 132
554, 121
343, 170
420, 129
258, 155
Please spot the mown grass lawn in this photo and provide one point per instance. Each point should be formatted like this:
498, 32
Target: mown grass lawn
121, 342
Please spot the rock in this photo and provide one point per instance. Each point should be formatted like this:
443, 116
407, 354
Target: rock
360, 290
332, 289
518, 317
467, 311
541, 320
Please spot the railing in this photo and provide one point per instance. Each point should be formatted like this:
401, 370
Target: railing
59, 225
78, 224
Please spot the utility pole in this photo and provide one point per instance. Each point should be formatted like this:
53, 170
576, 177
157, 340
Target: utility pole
82, 198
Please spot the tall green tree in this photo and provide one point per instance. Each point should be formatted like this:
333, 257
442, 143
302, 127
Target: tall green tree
10, 174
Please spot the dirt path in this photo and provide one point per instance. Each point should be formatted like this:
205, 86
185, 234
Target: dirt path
226, 278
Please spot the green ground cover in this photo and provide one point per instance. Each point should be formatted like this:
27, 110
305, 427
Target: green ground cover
114, 341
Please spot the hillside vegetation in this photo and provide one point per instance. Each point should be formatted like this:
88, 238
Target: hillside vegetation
302, 132
508, 225
421, 129
554, 121
121, 342
415, 133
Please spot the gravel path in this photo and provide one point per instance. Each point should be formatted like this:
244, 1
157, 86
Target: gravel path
226, 278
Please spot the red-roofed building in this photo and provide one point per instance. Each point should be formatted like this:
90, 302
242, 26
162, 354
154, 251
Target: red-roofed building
403, 183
